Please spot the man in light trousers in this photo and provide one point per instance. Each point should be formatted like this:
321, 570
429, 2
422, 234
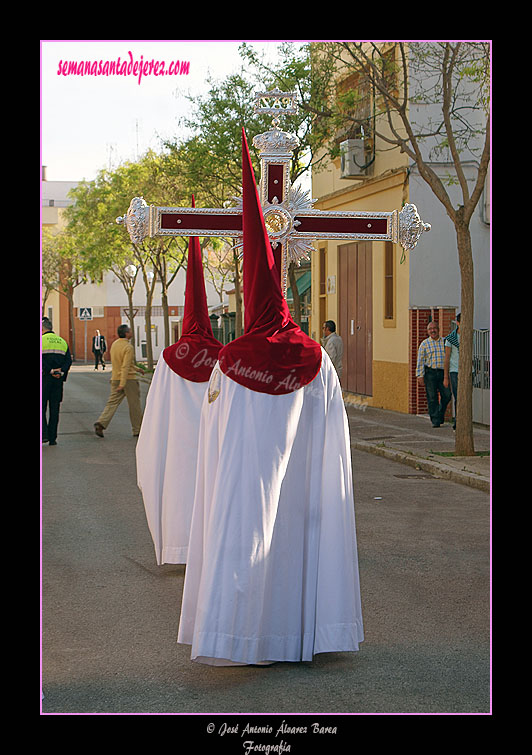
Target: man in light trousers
124, 383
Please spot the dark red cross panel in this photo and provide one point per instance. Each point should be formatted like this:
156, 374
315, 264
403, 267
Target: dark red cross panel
274, 182
334, 225
213, 223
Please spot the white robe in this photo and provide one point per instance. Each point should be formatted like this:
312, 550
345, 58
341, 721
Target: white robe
166, 460
272, 572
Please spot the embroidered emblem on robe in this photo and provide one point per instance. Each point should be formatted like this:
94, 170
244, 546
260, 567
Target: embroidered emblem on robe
214, 385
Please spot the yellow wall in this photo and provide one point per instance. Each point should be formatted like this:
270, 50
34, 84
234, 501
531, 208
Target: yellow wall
53, 216
384, 190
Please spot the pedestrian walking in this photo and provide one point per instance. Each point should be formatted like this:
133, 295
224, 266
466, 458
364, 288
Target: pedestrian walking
99, 347
333, 345
56, 361
124, 383
430, 373
450, 367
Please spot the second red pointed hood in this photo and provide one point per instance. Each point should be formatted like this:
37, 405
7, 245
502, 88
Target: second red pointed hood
274, 355
196, 352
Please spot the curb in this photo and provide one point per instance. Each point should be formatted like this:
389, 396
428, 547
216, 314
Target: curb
438, 470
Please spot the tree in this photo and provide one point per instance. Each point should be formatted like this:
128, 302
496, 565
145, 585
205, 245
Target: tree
170, 258
452, 78
50, 263
291, 71
127, 275
63, 270
218, 264
104, 245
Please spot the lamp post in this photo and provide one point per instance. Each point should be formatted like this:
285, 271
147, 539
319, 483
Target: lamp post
131, 272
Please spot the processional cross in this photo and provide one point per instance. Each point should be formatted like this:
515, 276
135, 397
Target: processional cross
291, 222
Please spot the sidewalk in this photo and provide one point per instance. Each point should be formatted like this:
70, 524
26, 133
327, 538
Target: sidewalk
411, 440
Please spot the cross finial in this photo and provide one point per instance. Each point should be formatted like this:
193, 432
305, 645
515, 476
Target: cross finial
275, 103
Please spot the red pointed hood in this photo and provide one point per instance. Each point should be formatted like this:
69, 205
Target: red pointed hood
274, 355
196, 352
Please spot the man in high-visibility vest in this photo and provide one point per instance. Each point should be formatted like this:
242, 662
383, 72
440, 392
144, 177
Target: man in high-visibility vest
56, 361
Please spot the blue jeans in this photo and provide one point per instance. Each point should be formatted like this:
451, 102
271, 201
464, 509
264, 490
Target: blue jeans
437, 403
454, 386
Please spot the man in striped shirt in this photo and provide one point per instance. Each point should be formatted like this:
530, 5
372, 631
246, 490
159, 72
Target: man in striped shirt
430, 373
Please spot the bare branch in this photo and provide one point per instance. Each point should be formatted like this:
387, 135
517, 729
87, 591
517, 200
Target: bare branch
449, 61
481, 177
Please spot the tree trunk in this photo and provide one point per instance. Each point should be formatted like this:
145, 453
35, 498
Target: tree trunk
131, 317
71, 320
162, 270
147, 320
166, 318
67, 289
464, 442
47, 292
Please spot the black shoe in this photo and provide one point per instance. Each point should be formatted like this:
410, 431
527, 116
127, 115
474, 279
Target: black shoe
436, 425
98, 429
52, 443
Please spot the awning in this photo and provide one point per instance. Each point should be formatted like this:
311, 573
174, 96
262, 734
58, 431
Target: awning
303, 284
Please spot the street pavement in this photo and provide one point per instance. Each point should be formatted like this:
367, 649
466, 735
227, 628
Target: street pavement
110, 614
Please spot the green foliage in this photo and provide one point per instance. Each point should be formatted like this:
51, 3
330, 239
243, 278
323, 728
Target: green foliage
99, 242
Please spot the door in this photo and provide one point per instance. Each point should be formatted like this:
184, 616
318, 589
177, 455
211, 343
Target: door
355, 316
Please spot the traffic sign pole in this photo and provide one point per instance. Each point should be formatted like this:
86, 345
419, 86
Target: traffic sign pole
85, 313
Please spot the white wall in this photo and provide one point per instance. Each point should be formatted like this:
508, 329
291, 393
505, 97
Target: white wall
434, 267
110, 293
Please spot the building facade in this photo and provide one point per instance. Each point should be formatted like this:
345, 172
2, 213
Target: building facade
380, 297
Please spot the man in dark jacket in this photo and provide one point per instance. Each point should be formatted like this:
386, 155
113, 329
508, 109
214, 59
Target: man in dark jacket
56, 361
99, 348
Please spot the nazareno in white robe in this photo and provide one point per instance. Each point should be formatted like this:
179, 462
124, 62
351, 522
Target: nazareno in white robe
272, 570
166, 460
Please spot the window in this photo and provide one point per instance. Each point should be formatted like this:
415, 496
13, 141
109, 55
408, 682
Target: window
389, 71
354, 97
323, 281
389, 282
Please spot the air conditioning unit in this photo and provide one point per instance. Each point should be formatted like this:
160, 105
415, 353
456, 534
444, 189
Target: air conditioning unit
352, 158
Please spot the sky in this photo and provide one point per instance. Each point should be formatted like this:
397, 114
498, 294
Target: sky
92, 122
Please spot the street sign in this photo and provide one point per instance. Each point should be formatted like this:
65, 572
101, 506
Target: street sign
85, 313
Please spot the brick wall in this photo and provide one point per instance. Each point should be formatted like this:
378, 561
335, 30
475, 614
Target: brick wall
419, 319
107, 325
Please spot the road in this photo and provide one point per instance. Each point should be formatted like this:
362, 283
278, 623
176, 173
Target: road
110, 614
